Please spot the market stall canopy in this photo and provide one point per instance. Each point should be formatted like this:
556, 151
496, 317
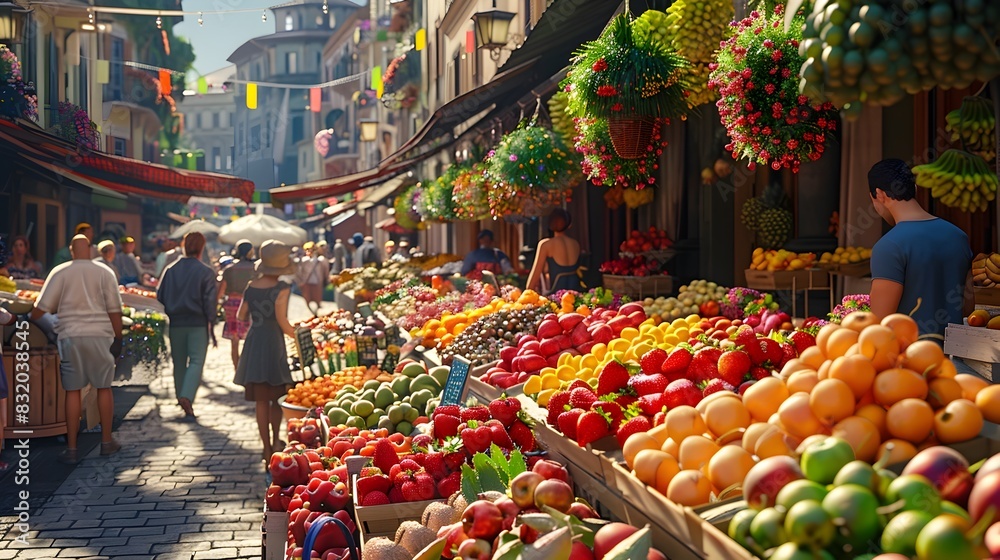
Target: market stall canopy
377, 194
389, 225
201, 226
258, 228
21, 139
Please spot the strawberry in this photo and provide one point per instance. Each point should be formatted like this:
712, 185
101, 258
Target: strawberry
476, 438
448, 409
385, 455
759, 373
422, 441
435, 465
613, 410
375, 499
501, 438
582, 398
454, 454
396, 495
450, 484
505, 409
369, 471
704, 365
590, 427
411, 492
567, 422
648, 384
612, 378
410, 465
576, 383
522, 436
652, 361
651, 404
479, 413
802, 340
639, 424
378, 483
682, 392
418, 458
733, 365
772, 350
788, 352
425, 485
556, 406
626, 400
677, 362
745, 337
394, 472
716, 385
445, 426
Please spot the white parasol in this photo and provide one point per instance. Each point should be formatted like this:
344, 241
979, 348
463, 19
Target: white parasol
258, 228
201, 226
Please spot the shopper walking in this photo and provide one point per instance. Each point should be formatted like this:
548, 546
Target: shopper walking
21, 265
263, 368
82, 292
128, 264
312, 276
107, 251
232, 282
65, 255
341, 258
367, 252
188, 293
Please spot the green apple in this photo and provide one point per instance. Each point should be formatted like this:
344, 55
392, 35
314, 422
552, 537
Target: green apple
822, 460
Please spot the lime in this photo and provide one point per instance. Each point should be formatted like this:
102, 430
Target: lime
362, 408
768, 528
372, 384
913, 492
944, 538
384, 397
954, 509
404, 428
395, 414
337, 416
739, 526
808, 524
860, 473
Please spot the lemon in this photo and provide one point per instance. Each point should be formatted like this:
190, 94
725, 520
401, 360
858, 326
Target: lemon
565, 373
672, 339
599, 350
639, 349
564, 359
590, 360
693, 319
545, 396
550, 381
585, 374
629, 333
678, 323
682, 334
533, 385
619, 345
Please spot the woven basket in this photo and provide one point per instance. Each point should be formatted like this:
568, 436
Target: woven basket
631, 136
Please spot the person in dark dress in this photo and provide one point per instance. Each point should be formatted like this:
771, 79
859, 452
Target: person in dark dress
263, 367
232, 281
557, 258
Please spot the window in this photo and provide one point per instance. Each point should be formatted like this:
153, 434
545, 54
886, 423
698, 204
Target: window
297, 132
255, 138
119, 147
456, 63
229, 159
217, 158
291, 62
216, 119
240, 139
115, 75
197, 121
289, 23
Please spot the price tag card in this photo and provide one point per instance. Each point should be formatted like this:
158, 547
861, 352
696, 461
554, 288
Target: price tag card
455, 385
367, 351
306, 348
365, 309
390, 360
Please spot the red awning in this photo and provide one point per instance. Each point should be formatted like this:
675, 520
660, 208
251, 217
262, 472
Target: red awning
120, 174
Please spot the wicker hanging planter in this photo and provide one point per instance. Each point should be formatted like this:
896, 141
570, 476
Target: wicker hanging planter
631, 136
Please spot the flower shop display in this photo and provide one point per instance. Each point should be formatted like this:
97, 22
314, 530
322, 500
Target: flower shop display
144, 340
850, 304
73, 123
632, 85
694, 29
470, 194
768, 121
405, 206
17, 97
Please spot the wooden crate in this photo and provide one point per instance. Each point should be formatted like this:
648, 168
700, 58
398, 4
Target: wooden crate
709, 528
655, 507
46, 397
596, 491
787, 279
274, 534
977, 346
639, 286
380, 521
987, 296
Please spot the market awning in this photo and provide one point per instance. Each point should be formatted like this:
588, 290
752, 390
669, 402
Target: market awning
120, 174
389, 225
377, 194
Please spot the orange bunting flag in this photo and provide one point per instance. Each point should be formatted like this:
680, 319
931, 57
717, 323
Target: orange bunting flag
470, 42
165, 86
315, 99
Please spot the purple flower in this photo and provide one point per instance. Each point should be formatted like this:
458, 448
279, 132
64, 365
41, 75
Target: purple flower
513, 157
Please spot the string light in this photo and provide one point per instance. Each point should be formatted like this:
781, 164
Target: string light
326, 8
201, 21
263, 16
159, 22
90, 16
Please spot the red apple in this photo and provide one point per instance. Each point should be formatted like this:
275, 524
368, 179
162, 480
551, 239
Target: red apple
475, 549
551, 470
527, 534
454, 535
630, 307
947, 469
522, 488
767, 478
608, 536
992, 539
554, 493
569, 320
985, 497
582, 511
510, 511
580, 551
482, 520
991, 464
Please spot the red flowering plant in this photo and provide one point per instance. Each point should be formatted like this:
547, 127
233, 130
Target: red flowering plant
470, 194
756, 74
18, 98
74, 124
604, 167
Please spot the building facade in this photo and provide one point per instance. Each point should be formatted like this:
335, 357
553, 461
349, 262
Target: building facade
208, 121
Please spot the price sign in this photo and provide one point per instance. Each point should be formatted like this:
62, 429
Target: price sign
392, 335
367, 351
391, 359
365, 309
457, 377
306, 348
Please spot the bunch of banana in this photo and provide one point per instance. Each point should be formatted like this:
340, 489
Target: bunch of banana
636, 198
974, 125
960, 180
562, 120
986, 270
7, 285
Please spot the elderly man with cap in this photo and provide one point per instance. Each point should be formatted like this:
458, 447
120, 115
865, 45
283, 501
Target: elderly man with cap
64, 255
106, 255
402, 253
486, 257
127, 263
82, 293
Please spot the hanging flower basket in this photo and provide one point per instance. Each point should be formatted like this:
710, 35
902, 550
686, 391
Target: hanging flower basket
436, 202
603, 165
74, 124
631, 136
470, 194
405, 207
17, 97
402, 71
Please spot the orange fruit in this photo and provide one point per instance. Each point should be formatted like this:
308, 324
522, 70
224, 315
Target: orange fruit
690, 488
856, 371
696, 451
774, 442
988, 401
923, 356
831, 401
753, 433
659, 433
905, 328
822, 339
729, 466
894, 385
725, 416
859, 320
791, 367
971, 385
960, 420
942, 391
684, 421
636, 443
910, 419
824, 370
945, 369
876, 415
879, 344
839, 342
763, 398
671, 446
666, 472
861, 434
812, 357
647, 462
798, 418
803, 381
898, 450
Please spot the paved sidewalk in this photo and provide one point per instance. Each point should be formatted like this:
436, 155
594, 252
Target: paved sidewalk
176, 490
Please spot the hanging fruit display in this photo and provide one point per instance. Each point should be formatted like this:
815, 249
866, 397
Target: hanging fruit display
469, 194
694, 29
959, 179
768, 217
767, 120
405, 207
604, 167
633, 86
561, 117
878, 51
974, 126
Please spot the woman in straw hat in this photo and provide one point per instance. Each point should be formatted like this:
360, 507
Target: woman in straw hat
263, 366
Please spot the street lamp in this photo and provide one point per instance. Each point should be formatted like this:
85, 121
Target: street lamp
369, 130
11, 21
492, 30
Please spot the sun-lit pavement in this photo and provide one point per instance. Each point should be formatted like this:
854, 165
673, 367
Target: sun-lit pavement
176, 490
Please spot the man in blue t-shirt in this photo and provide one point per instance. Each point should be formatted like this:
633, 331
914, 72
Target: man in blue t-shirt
486, 257
923, 262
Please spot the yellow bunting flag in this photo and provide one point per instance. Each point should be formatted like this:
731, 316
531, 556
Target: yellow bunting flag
377, 84
251, 96
202, 85
420, 40
103, 71
315, 99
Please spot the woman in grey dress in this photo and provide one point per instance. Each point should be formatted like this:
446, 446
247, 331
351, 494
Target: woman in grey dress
263, 367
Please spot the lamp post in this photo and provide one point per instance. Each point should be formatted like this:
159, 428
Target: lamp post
492, 29
369, 130
11, 22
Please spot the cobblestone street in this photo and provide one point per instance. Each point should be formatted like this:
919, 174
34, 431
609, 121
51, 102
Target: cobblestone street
177, 490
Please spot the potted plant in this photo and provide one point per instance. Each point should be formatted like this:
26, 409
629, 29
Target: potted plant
17, 97
633, 85
74, 124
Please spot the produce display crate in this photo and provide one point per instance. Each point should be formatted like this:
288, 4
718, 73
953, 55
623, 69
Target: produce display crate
578, 459
858, 269
481, 391
787, 279
380, 521
606, 502
641, 500
274, 534
47, 413
639, 286
709, 530
987, 296
977, 346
